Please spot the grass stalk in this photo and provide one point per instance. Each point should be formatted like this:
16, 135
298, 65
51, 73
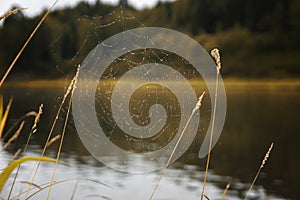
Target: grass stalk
60, 147
259, 170
22, 118
69, 90
216, 55
4, 117
25, 44
197, 106
54, 139
225, 191
14, 137
73, 83
74, 191
11, 12
59, 182
5, 174
47, 185
32, 131
15, 155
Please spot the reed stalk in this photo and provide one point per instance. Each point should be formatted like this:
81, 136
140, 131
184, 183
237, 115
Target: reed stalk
215, 53
197, 106
259, 170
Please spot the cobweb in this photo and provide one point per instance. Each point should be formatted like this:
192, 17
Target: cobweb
142, 100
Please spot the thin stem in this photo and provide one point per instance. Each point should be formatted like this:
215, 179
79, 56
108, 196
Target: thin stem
69, 90
11, 12
197, 106
216, 55
225, 191
26, 43
32, 131
260, 168
45, 147
60, 147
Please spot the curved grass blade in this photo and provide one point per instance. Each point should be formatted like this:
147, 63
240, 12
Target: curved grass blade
9, 169
62, 181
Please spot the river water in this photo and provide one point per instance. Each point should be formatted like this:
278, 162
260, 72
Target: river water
256, 117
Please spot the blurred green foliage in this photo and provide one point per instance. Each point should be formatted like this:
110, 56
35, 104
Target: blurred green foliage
257, 38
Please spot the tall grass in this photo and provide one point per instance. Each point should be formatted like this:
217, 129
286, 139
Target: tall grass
33, 130
50, 140
6, 173
71, 89
225, 191
25, 44
215, 53
11, 12
3, 117
9, 169
259, 170
197, 106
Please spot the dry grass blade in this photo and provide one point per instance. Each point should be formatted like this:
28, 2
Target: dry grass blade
33, 130
9, 169
14, 137
33, 184
197, 106
225, 191
54, 139
25, 45
215, 53
15, 155
72, 89
34, 126
59, 182
259, 170
54, 123
11, 128
4, 117
37, 118
96, 196
74, 191
1, 106
206, 197
11, 12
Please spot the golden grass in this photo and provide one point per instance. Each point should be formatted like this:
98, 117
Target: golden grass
11, 12
54, 139
25, 45
197, 106
215, 53
259, 170
33, 130
37, 118
14, 137
12, 127
225, 191
71, 90
230, 84
5, 115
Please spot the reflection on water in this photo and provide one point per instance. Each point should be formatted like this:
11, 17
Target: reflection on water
255, 118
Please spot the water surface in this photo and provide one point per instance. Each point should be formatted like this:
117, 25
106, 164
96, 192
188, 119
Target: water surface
256, 117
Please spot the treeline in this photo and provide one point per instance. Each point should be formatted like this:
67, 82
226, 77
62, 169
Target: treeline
257, 38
